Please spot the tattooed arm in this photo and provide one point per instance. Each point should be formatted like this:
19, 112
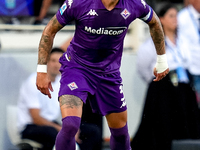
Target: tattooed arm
161, 69
157, 34
43, 83
46, 40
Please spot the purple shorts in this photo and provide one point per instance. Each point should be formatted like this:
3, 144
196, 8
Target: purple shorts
104, 91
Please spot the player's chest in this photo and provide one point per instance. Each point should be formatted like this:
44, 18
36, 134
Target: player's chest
96, 18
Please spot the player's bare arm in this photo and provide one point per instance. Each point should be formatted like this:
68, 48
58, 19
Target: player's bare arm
157, 34
43, 82
39, 120
46, 40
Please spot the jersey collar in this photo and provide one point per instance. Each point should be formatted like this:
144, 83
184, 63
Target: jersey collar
101, 6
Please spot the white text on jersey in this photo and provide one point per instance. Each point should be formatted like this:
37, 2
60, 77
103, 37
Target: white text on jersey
106, 31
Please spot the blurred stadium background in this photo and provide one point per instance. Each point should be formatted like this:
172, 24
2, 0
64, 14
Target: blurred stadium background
19, 41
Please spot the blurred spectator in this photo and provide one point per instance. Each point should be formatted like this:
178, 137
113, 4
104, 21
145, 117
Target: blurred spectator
170, 109
44, 9
189, 27
37, 114
186, 2
66, 44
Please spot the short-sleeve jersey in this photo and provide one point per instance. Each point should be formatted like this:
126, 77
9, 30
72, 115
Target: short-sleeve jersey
99, 33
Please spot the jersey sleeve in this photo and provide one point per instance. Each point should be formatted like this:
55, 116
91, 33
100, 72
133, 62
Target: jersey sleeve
146, 12
67, 12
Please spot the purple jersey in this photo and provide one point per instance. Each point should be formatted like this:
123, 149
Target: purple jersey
99, 34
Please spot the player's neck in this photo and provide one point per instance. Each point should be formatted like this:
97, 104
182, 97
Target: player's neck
110, 4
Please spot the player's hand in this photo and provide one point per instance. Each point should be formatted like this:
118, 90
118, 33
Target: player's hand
161, 69
43, 84
161, 75
78, 140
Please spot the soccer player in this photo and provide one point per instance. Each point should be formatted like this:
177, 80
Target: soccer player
37, 115
90, 66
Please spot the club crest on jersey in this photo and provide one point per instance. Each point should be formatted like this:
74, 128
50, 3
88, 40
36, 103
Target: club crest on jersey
72, 86
63, 8
125, 13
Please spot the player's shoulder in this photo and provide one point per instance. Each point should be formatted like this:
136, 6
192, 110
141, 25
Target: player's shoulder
138, 5
77, 3
138, 2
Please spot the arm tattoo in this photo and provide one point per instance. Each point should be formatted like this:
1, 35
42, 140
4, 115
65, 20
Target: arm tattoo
56, 24
70, 101
46, 40
157, 35
44, 48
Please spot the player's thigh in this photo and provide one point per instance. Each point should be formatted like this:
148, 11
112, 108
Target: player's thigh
70, 105
117, 120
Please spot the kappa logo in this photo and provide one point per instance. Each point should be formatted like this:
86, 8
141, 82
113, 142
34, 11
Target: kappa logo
92, 13
72, 86
125, 13
144, 3
70, 3
122, 99
63, 8
123, 102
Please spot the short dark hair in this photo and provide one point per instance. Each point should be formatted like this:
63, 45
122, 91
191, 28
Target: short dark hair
56, 50
164, 7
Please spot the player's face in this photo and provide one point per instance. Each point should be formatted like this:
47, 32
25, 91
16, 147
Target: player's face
53, 64
169, 20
